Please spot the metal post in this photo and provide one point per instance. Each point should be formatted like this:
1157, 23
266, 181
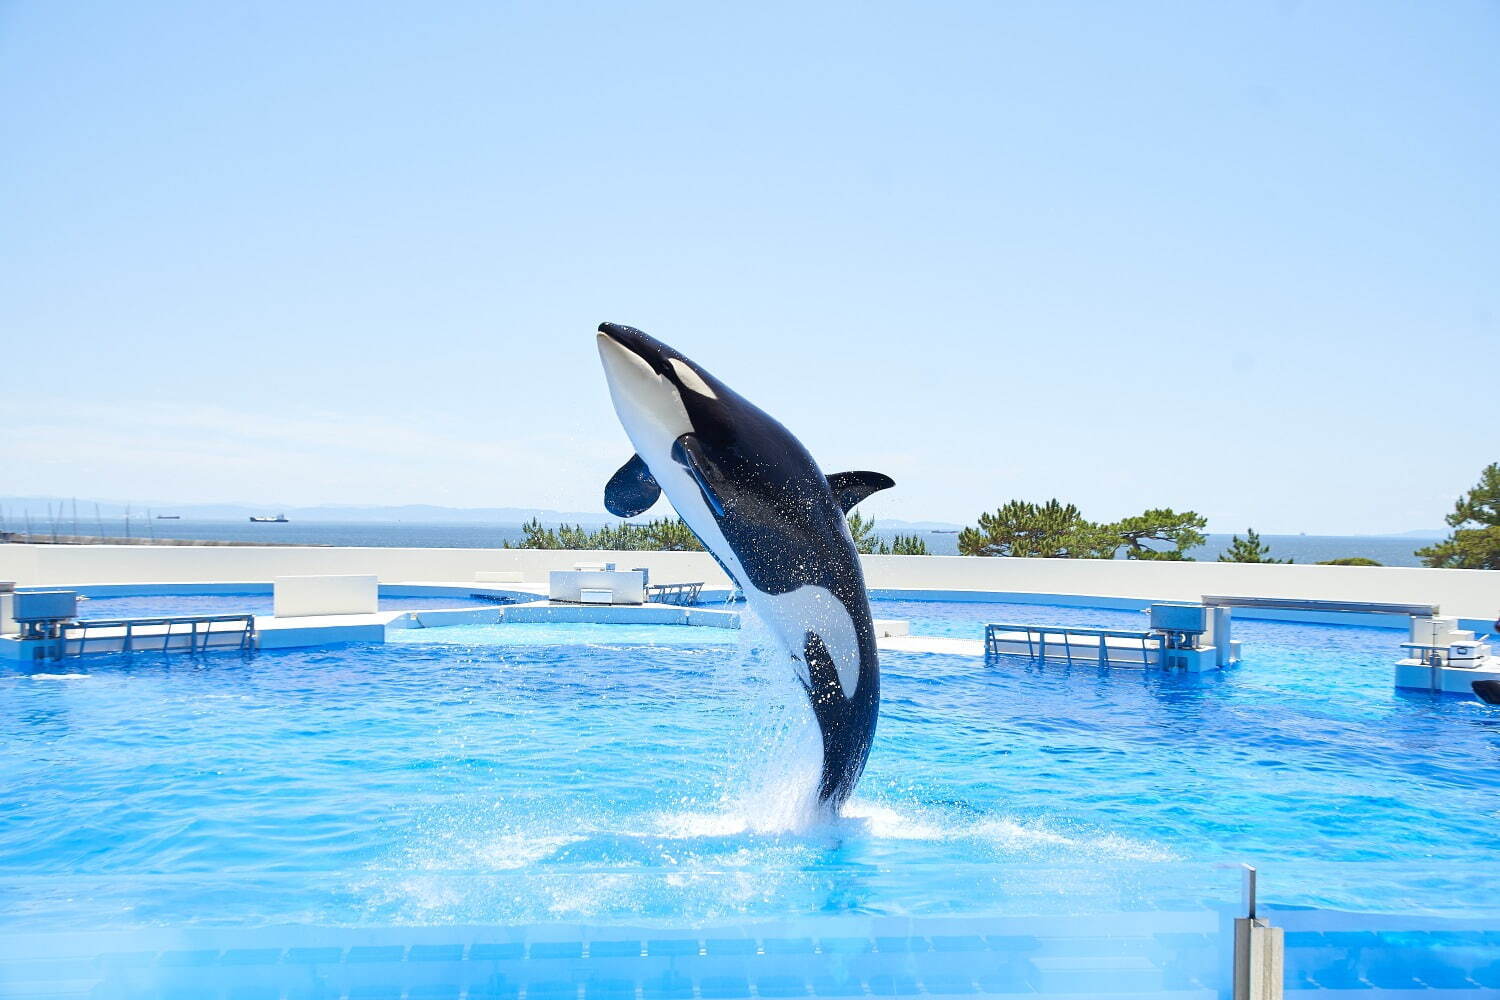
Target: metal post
1223, 636
1259, 950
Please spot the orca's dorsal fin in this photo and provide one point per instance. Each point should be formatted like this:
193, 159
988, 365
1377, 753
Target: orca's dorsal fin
849, 488
631, 490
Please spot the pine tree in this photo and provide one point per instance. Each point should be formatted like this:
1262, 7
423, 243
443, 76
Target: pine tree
863, 533
908, 545
1475, 542
1249, 550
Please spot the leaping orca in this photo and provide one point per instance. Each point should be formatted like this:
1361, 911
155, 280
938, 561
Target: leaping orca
756, 499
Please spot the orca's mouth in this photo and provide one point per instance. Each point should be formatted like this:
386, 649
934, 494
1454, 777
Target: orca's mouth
646, 349
626, 369
648, 403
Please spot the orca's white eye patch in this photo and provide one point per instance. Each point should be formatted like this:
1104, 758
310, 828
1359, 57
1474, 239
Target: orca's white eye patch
691, 379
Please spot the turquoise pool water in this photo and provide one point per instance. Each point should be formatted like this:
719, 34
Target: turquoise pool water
964, 620
156, 605
485, 774
586, 634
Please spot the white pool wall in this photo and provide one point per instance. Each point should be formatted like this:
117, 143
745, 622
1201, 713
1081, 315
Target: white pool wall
1470, 594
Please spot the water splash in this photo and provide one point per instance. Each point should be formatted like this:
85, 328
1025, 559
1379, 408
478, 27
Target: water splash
754, 840
771, 777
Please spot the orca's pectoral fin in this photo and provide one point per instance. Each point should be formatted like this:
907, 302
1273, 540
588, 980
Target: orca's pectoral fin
688, 453
849, 488
631, 490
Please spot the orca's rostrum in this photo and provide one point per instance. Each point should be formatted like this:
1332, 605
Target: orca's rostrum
756, 499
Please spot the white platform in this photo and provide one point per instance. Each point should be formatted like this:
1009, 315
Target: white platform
499, 576
306, 596
625, 586
1420, 676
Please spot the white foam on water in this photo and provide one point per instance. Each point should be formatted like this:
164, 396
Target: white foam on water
758, 839
510, 851
994, 838
771, 776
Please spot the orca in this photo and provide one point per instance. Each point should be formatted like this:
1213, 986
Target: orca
759, 503
1488, 691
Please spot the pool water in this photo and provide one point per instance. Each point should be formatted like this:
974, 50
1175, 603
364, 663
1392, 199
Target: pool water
510, 773
966, 620
567, 634
162, 605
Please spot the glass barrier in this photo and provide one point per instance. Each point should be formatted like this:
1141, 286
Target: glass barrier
1439, 932
1135, 931
1149, 931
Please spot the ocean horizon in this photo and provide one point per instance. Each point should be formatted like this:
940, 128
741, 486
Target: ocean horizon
1390, 550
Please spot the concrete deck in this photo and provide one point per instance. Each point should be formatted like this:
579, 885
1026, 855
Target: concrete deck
1469, 594
526, 602
931, 644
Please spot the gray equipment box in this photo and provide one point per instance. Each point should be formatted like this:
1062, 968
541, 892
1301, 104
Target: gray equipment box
45, 606
1186, 618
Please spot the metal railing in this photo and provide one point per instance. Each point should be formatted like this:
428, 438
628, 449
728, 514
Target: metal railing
160, 632
1428, 652
1303, 604
1035, 637
682, 594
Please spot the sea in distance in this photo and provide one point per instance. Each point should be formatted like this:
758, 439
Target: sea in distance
1391, 550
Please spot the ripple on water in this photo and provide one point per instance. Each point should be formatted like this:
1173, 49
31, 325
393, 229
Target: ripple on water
651, 777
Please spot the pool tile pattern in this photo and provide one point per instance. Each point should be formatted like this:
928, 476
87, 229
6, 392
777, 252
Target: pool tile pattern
605, 964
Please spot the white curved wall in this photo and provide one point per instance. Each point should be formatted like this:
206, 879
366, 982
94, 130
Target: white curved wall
1467, 593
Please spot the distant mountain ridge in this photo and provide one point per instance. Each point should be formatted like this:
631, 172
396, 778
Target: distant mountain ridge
429, 513
426, 513
15, 508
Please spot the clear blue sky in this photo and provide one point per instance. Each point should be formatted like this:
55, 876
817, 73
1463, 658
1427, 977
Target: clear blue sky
1241, 258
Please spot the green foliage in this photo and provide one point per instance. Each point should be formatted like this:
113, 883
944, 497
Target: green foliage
908, 545
863, 533
673, 535
1249, 550
663, 535
1475, 542
537, 537
866, 542
1020, 528
1183, 532
1055, 530
1351, 561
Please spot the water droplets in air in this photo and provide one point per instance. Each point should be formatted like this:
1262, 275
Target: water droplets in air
770, 775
